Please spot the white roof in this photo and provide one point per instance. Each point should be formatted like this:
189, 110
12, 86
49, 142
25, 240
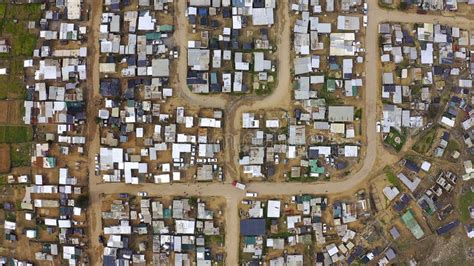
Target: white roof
262, 16
390, 192
351, 151
273, 209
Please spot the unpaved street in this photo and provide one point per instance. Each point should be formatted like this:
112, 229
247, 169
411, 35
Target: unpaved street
280, 98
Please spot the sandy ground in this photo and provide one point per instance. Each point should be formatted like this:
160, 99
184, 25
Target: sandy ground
280, 97
93, 97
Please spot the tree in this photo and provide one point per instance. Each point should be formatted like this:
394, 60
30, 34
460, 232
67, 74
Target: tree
83, 201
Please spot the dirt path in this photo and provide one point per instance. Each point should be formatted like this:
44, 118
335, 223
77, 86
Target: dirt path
93, 96
281, 97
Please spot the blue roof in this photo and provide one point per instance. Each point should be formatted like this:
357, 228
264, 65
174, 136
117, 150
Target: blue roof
238, 3
410, 165
252, 227
447, 227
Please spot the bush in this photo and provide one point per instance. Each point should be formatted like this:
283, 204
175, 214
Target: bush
83, 201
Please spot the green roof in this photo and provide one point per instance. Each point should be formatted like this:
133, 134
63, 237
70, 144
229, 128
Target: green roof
330, 85
315, 168
412, 224
167, 213
250, 240
153, 36
166, 28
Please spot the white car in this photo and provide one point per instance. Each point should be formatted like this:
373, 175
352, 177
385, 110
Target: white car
142, 194
378, 127
365, 20
251, 194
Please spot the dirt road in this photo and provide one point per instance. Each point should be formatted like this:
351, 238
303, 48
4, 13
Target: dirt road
93, 144
280, 98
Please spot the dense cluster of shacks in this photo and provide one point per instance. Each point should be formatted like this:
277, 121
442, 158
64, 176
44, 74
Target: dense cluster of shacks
431, 195
432, 75
140, 140
148, 231
321, 131
55, 106
283, 228
271, 142
230, 46
433, 71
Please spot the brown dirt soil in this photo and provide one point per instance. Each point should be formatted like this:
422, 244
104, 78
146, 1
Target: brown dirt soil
3, 111
4, 158
15, 112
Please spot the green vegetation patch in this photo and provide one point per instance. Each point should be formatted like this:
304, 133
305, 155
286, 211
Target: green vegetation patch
22, 41
425, 142
15, 134
27, 12
391, 177
453, 145
14, 27
466, 201
12, 85
395, 139
20, 154
3, 9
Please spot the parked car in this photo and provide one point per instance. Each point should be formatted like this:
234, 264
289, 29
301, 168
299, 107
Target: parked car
246, 202
142, 194
251, 194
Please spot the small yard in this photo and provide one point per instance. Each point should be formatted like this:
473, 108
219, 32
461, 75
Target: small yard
20, 155
14, 21
391, 177
395, 139
465, 201
425, 142
12, 85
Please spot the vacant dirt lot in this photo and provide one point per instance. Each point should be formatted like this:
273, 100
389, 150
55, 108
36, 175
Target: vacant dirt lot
4, 158
3, 112
11, 112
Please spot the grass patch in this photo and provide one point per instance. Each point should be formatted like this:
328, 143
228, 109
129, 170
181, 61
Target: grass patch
20, 155
3, 8
27, 12
329, 97
10, 216
12, 86
13, 27
217, 240
465, 201
15, 134
453, 145
23, 42
395, 139
3, 180
425, 142
358, 113
391, 177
